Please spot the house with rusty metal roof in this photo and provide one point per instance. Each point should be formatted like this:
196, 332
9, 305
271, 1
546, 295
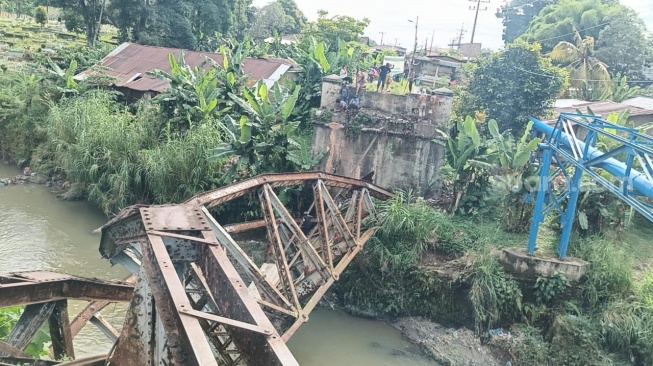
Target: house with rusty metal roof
131, 63
638, 115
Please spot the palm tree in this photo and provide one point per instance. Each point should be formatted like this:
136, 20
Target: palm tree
589, 75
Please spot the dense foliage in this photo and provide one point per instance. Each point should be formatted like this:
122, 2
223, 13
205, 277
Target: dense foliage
511, 86
558, 22
336, 28
187, 24
517, 16
279, 17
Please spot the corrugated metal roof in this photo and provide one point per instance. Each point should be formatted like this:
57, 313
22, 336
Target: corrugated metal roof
640, 102
566, 103
130, 63
604, 109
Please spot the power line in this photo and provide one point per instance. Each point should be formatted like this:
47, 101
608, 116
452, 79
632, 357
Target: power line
571, 79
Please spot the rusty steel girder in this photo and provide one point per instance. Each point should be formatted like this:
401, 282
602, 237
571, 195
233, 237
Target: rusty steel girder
25, 288
201, 299
45, 296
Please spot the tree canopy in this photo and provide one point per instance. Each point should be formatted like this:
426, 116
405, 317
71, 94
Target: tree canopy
295, 20
337, 27
558, 22
624, 46
270, 20
517, 15
83, 15
178, 23
512, 85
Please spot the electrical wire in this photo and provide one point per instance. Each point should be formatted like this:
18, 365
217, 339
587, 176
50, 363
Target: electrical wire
598, 81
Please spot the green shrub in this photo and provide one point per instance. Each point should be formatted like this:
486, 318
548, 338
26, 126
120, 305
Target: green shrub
576, 341
178, 169
8, 319
454, 237
529, 347
388, 278
548, 289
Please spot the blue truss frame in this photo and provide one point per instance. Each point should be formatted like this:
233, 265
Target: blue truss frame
631, 180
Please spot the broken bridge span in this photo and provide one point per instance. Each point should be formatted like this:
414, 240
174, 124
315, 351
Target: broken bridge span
196, 297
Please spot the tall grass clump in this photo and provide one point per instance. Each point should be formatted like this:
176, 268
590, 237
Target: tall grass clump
494, 296
610, 275
628, 325
96, 144
23, 107
177, 169
408, 225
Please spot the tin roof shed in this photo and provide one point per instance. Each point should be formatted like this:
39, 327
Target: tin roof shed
130, 64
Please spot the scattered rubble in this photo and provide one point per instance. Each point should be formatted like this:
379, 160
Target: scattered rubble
448, 346
30, 177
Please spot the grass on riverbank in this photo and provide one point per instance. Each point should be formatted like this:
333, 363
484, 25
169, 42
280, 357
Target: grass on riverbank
458, 280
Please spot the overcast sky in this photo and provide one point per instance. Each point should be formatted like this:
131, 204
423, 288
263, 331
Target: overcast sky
444, 17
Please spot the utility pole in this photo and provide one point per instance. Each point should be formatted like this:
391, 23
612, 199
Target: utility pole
412, 58
432, 37
458, 40
382, 33
452, 44
477, 7
460, 36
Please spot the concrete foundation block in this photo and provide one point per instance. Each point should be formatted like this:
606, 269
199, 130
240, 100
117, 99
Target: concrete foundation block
519, 262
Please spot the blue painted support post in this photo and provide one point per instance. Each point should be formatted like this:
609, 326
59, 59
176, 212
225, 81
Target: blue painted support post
538, 215
569, 216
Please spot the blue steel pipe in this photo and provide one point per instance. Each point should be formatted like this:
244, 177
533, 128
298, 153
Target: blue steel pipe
638, 181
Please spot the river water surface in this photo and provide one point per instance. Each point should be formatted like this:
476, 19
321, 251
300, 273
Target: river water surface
38, 231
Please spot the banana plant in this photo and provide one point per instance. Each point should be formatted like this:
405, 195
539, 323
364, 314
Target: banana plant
514, 177
264, 137
513, 156
194, 94
467, 160
67, 76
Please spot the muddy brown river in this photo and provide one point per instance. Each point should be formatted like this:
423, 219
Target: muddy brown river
38, 231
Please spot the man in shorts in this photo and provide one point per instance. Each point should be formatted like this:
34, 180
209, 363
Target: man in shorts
423, 98
384, 74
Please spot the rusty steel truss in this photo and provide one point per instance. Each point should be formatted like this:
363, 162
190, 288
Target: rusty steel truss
45, 296
200, 298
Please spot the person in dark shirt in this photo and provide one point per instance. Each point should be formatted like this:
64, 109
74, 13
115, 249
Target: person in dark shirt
384, 71
307, 223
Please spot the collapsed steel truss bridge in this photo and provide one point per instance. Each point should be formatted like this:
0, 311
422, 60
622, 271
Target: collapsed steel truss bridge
196, 297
